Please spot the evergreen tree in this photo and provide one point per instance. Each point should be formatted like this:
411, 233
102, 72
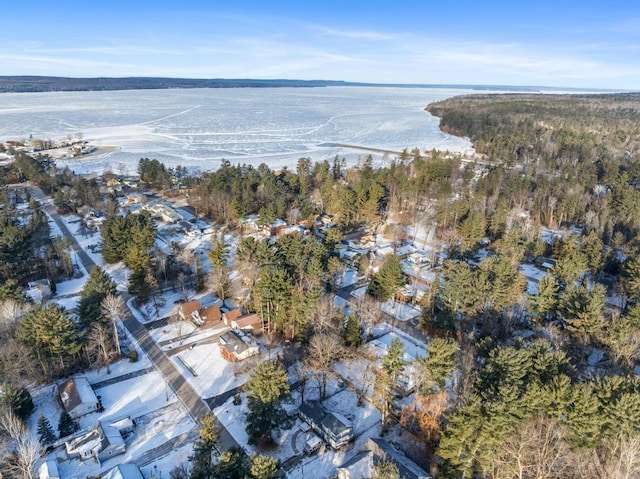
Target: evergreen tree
232, 465
439, 363
17, 399
10, 289
388, 279
266, 467
219, 252
45, 431
97, 287
51, 334
582, 310
203, 448
393, 362
268, 386
352, 334
66, 425
545, 302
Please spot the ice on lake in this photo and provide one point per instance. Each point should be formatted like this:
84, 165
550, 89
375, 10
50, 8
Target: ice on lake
201, 127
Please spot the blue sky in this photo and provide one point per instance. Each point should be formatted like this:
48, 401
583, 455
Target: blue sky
591, 44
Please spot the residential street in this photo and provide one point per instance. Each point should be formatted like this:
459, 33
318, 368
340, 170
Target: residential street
196, 406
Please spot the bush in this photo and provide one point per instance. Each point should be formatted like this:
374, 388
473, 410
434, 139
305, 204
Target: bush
133, 356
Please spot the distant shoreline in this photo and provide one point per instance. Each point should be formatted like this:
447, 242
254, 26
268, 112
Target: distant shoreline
41, 84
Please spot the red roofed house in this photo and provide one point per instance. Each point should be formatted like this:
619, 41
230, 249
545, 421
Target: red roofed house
231, 316
186, 310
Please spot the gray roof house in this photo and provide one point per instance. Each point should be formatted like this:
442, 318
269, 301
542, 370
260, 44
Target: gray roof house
334, 428
378, 450
78, 397
101, 442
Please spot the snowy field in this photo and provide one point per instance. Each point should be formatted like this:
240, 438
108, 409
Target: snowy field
200, 127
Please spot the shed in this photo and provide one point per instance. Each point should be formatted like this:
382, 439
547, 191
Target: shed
78, 397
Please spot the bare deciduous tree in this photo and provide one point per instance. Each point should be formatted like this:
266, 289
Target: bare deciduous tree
26, 447
220, 282
10, 311
324, 349
100, 344
113, 307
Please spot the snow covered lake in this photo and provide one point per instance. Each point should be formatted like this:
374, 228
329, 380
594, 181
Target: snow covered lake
200, 127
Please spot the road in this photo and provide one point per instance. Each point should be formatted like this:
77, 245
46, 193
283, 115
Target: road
192, 401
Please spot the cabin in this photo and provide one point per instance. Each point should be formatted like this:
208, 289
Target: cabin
124, 471
374, 452
334, 428
101, 442
77, 397
186, 310
236, 346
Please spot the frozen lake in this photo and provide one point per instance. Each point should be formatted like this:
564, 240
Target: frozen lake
200, 127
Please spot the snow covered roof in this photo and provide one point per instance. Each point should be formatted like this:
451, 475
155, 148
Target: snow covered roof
76, 391
124, 471
48, 470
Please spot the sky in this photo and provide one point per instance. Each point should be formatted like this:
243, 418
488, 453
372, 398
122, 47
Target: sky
581, 44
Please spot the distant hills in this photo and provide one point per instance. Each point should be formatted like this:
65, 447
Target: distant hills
18, 84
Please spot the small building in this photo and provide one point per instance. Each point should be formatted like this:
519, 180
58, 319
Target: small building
375, 451
101, 442
124, 471
210, 316
236, 346
77, 397
186, 310
136, 198
334, 428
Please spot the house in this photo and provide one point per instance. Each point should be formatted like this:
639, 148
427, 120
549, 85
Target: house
248, 322
186, 310
334, 428
124, 471
210, 316
39, 291
48, 470
375, 451
136, 198
230, 316
101, 442
78, 397
236, 346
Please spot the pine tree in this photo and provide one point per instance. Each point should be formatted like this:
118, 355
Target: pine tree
66, 425
45, 431
545, 302
582, 310
219, 252
439, 363
388, 279
268, 386
352, 333
393, 362
97, 287
232, 465
266, 467
17, 399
